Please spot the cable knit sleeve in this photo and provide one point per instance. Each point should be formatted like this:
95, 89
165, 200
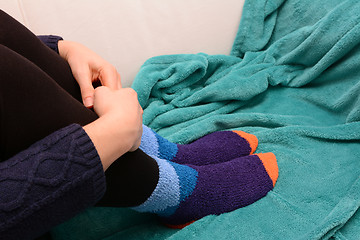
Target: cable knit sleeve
48, 183
51, 41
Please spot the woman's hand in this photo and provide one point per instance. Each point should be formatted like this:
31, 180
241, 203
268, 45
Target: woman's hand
119, 126
88, 67
123, 109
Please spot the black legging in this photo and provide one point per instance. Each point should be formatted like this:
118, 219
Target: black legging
39, 95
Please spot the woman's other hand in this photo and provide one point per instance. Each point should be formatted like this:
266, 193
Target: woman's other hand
123, 109
88, 67
119, 127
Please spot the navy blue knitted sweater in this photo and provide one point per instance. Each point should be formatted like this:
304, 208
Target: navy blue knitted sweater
50, 182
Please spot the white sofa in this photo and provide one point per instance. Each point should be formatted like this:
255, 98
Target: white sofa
127, 32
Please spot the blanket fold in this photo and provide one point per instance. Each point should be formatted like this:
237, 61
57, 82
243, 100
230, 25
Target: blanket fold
296, 87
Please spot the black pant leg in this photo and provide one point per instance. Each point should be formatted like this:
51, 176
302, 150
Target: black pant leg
34, 106
21, 40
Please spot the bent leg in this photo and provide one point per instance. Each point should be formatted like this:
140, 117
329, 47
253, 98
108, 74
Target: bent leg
33, 105
42, 96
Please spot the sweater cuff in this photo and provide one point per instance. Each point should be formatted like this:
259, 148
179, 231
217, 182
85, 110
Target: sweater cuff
87, 147
51, 41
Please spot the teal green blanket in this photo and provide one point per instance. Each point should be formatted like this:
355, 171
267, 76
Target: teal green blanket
293, 80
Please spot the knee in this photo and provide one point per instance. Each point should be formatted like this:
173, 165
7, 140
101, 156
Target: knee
9, 29
4, 17
2, 13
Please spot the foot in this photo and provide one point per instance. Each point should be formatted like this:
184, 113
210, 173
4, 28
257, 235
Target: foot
214, 148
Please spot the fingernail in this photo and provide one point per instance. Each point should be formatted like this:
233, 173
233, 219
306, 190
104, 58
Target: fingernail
88, 102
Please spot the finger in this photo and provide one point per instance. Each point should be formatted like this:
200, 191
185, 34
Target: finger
109, 77
119, 80
87, 93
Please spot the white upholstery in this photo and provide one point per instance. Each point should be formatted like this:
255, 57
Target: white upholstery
127, 32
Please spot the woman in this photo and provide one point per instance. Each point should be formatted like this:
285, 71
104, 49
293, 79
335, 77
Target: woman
55, 149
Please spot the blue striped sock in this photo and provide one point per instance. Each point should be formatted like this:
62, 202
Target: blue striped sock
186, 193
176, 183
155, 145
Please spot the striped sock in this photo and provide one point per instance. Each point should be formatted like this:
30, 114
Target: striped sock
213, 148
186, 193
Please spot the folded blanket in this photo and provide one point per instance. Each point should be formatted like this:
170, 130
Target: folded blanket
293, 80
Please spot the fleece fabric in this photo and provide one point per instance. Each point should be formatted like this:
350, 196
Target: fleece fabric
293, 80
213, 148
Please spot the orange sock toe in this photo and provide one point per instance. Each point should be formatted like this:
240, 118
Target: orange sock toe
270, 163
252, 139
180, 226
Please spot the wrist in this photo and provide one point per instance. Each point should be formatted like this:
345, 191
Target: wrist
62, 48
109, 140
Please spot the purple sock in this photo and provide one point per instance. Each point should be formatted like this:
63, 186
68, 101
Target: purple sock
213, 148
186, 193
225, 187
